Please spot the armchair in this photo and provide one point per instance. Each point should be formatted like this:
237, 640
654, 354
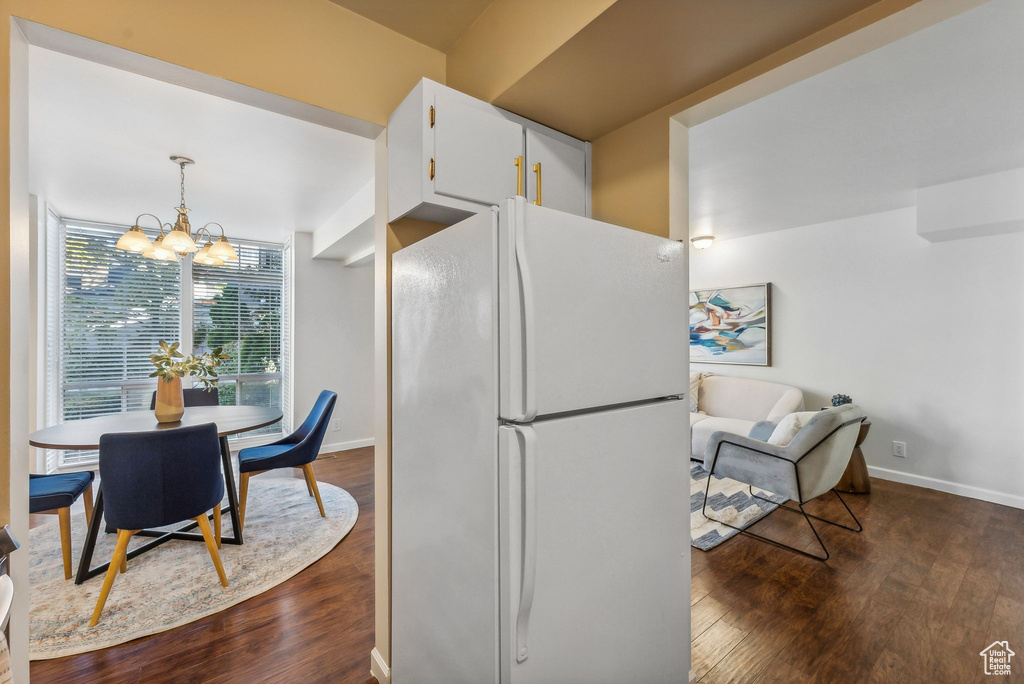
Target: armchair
806, 468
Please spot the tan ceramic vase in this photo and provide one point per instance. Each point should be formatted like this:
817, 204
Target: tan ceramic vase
170, 402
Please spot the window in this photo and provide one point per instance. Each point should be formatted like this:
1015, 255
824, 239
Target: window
239, 307
108, 309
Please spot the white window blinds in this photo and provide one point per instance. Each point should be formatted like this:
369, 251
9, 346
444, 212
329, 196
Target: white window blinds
238, 306
116, 308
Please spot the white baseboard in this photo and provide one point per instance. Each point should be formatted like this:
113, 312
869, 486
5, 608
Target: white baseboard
378, 668
344, 446
969, 491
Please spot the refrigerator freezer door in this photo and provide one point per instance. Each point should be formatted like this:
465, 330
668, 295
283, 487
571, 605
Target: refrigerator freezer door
591, 314
595, 547
444, 501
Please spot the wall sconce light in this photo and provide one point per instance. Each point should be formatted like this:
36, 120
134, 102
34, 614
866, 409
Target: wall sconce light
702, 241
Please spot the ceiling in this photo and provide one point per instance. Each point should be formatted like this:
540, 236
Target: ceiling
437, 24
941, 105
100, 138
640, 55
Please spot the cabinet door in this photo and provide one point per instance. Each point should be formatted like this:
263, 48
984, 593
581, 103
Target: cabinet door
563, 168
474, 152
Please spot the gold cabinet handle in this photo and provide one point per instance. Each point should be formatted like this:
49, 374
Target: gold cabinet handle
431, 168
519, 174
536, 170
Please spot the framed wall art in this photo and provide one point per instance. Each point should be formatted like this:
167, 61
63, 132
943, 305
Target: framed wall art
731, 325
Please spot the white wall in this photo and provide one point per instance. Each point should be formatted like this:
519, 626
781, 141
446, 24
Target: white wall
926, 337
333, 343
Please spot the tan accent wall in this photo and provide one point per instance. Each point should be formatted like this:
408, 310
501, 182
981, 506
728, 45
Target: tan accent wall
630, 183
512, 37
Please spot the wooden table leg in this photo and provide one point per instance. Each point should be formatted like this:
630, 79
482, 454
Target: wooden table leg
855, 480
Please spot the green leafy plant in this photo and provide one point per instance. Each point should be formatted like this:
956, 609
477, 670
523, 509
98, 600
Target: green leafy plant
171, 363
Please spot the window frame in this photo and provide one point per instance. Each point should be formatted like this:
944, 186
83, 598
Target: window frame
55, 260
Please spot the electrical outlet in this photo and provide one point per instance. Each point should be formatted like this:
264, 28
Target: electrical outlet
336, 424
899, 449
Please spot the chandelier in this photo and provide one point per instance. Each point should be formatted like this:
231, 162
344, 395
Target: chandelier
179, 241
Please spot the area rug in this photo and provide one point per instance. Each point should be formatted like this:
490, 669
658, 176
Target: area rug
176, 583
728, 500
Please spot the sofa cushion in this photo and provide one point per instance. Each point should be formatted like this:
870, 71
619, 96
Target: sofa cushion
696, 418
694, 390
701, 432
751, 400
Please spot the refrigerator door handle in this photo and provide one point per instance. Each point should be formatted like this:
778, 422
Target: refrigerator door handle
529, 538
530, 389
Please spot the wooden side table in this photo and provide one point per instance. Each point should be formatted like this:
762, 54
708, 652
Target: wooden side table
855, 480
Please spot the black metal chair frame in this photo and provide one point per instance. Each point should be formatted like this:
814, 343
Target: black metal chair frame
799, 492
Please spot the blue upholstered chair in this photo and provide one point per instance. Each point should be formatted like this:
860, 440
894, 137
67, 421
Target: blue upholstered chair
297, 450
194, 397
55, 494
152, 479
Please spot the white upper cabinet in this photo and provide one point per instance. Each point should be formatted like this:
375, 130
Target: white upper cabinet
451, 155
557, 169
474, 152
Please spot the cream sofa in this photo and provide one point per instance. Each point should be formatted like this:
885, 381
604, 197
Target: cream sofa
726, 404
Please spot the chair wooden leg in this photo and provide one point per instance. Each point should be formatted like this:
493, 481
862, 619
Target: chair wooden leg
87, 497
216, 523
243, 491
64, 516
311, 481
123, 537
305, 477
211, 545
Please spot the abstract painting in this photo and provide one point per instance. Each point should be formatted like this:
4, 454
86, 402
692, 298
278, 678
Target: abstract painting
731, 325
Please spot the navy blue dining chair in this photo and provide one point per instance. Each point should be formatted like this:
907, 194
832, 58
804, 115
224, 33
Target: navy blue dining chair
297, 450
194, 397
55, 494
153, 479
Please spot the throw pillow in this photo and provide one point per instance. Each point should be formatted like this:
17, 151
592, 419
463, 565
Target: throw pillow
787, 428
694, 389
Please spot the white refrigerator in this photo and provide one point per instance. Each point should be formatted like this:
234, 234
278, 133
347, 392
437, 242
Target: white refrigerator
540, 499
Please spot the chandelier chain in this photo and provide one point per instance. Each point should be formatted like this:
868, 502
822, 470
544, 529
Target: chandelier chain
182, 184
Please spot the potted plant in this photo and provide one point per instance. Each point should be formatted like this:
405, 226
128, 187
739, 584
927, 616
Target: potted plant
171, 367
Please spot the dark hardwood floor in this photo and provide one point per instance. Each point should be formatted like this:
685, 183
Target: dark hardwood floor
315, 627
931, 581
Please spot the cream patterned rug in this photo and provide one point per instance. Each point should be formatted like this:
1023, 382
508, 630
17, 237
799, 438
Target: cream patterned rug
728, 500
176, 583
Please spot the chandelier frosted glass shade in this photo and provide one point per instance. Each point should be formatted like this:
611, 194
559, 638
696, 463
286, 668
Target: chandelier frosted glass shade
159, 252
180, 241
203, 257
222, 249
134, 240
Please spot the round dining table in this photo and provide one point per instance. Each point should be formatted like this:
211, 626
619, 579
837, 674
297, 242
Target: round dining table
86, 433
